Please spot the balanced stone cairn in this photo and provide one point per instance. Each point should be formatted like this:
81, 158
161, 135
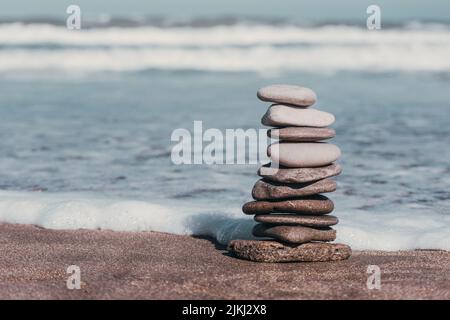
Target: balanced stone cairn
288, 205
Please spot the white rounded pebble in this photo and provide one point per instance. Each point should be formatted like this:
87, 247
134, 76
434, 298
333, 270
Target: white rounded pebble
289, 94
303, 155
279, 115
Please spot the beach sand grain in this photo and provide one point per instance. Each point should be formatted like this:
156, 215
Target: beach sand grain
151, 265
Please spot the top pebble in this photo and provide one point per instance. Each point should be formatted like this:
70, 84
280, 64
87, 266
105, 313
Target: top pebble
288, 94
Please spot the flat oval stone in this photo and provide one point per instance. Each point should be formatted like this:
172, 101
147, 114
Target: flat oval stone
301, 134
298, 175
317, 204
294, 219
279, 115
274, 251
266, 190
294, 234
281, 93
303, 155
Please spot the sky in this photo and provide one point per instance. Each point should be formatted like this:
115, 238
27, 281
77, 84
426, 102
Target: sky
395, 10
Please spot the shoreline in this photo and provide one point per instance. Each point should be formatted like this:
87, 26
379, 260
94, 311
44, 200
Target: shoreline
153, 265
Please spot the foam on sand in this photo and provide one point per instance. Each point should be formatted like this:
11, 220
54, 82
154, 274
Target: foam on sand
361, 230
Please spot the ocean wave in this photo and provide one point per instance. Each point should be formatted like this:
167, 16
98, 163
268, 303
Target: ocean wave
233, 48
136, 20
360, 229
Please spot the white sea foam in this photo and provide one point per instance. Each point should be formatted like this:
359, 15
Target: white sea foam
76, 211
361, 230
240, 47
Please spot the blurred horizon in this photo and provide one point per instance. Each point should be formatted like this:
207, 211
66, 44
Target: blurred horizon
266, 37
294, 10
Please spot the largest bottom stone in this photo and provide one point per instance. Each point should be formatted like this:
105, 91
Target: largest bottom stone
273, 251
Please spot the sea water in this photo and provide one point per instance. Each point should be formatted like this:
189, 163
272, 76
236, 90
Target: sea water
86, 119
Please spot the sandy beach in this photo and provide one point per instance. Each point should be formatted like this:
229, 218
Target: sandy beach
150, 265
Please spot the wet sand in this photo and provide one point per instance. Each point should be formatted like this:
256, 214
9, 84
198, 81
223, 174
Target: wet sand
151, 265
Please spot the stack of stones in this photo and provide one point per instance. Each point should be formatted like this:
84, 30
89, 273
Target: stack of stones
288, 206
